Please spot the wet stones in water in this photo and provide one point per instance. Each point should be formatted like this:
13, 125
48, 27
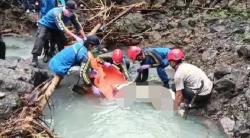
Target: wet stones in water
17, 77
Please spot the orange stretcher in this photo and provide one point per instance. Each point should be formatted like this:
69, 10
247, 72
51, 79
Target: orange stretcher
107, 77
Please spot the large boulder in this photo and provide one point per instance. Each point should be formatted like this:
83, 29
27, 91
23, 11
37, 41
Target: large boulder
221, 70
225, 86
132, 23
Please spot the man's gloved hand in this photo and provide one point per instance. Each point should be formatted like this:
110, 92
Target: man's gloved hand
85, 38
107, 64
146, 66
96, 91
182, 109
181, 112
92, 74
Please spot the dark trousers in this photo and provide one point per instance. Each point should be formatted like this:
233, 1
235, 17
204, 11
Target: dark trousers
189, 94
2, 49
28, 4
43, 36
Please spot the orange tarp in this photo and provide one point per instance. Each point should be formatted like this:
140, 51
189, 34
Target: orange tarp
107, 77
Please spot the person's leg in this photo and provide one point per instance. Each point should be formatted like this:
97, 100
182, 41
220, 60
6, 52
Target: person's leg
127, 63
202, 99
162, 73
163, 76
142, 76
26, 5
61, 40
188, 94
41, 38
2, 49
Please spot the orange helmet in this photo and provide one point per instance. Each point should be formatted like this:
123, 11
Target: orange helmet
133, 52
117, 56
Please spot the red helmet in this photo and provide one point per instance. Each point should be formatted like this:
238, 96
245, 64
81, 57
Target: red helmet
117, 56
175, 55
133, 52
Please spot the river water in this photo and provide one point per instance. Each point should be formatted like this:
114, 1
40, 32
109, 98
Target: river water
84, 116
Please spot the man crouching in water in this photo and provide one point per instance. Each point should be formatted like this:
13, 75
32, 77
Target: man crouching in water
187, 79
75, 54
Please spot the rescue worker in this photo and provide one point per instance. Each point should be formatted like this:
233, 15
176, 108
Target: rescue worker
46, 5
53, 23
75, 54
188, 80
117, 59
150, 58
43, 7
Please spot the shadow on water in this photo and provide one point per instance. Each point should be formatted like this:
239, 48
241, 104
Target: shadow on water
86, 116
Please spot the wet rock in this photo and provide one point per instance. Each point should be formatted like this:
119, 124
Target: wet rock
247, 95
227, 124
224, 86
209, 55
244, 51
2, 95
189, 22
132, 23
154, 36
10, 63
217, 28
246, 38
8, 104
240, 77
213, 107
221, 70
17, 78
180, 3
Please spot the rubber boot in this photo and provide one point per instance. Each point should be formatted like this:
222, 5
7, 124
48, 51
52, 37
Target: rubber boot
34, 62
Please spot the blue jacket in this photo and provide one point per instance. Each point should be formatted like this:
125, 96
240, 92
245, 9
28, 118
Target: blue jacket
68, 57
156, 57
54, 19
46, 5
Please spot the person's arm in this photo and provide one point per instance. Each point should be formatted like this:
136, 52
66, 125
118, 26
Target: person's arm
178, 99
157, 59
179, 85
124, 71
61, 26
84, 73
78, 26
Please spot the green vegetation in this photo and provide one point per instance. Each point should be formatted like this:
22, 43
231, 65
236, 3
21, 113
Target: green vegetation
231, 13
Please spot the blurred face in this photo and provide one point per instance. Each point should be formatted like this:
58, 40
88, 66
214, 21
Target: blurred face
140, 57
172, 64
91, 47
68, 12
